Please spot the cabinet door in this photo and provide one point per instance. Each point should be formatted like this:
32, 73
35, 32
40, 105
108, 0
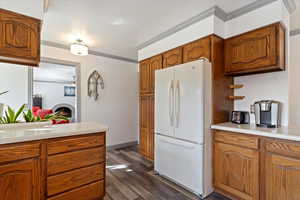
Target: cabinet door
282, 178
155, 63
144, 76
20, 181
236, 171
172, 57
196, 50
151, 128
19, 38
261, 50
144, 124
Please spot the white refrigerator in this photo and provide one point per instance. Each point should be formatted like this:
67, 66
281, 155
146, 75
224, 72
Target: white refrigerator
182, 125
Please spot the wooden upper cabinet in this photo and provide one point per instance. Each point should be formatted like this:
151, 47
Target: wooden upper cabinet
144, 76
19, 38
236, 171
155, 63
172, 57
261, 50
282, 178
196, 50
20, 180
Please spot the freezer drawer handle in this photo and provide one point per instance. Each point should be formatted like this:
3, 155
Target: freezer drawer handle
177, 144
171, 103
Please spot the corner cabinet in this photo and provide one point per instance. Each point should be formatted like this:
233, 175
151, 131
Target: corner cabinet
258, 51
19, 38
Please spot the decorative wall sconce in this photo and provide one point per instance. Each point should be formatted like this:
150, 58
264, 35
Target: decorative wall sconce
95, 79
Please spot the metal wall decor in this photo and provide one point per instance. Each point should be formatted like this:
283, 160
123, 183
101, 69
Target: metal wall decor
95, 79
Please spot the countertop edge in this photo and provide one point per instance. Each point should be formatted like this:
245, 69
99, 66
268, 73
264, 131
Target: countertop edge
278, 135
59, 131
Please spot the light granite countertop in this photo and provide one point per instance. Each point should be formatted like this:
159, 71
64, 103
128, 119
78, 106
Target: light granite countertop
30, 132
284, 132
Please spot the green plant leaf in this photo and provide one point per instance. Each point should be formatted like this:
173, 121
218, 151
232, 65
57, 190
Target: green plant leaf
11, 114
2, 120
21, 109
7, 119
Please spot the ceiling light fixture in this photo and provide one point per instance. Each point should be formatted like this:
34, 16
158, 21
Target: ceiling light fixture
79, 48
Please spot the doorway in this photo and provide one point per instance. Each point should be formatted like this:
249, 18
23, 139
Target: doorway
54, 86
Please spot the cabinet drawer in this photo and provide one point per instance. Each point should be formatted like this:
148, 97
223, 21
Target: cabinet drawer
75, 178
283, 147
71, 144
237, 139
19, 152
73, 160
89, 192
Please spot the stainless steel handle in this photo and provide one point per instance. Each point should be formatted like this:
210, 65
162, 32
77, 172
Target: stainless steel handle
177, 103
171, 103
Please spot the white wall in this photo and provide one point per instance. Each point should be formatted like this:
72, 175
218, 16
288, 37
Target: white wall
117, 106
53, 94
294, 81
15, 79
32, 8
263, 16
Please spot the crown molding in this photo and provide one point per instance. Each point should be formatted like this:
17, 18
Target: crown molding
248, 8
91, 52
295, 32
179, 27
218, 12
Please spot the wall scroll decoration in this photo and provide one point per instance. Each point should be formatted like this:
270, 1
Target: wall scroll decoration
95, 79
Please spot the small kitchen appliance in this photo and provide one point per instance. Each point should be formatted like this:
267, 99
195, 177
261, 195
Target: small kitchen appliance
267, 113
240, 117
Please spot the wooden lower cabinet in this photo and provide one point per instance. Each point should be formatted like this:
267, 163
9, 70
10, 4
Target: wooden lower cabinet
20, 180
245, 171
237, 170
56, 169
282, 177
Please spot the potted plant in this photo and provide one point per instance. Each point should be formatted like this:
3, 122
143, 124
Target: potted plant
1, 104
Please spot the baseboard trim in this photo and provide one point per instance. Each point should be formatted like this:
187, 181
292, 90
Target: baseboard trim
122, 145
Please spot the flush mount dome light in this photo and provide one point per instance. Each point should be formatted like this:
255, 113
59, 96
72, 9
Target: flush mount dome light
79, 48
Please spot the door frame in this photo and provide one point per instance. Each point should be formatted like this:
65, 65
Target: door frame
77, 82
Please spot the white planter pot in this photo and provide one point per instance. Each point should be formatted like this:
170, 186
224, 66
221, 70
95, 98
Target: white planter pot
22, 125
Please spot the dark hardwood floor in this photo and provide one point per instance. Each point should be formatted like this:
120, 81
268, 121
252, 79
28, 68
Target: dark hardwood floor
130, 177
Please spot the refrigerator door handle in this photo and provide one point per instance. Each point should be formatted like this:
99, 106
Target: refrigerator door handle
177, 103
171, 103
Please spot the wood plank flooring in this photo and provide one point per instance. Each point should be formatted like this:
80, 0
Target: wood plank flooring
130, 177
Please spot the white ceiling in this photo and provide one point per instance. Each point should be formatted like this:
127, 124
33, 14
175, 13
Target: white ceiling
295, 17
54, 72
118, 26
